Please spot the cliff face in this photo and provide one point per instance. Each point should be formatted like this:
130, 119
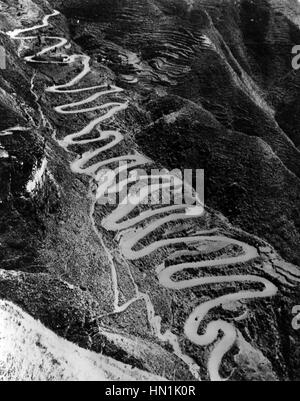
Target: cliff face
209, 84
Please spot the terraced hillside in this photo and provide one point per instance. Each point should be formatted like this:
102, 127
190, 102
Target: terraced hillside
181, 292
233, 61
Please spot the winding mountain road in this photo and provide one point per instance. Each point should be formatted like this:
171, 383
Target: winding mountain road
130, 233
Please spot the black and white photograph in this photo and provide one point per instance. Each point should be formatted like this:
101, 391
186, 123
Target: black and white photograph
150, 193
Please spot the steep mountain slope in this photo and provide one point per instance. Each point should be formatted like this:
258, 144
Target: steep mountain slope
232, 59
52, 359
207, 85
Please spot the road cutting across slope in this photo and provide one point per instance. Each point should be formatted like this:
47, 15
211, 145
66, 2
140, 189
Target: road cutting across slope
131, 233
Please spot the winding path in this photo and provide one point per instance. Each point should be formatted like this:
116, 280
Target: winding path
129, 231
